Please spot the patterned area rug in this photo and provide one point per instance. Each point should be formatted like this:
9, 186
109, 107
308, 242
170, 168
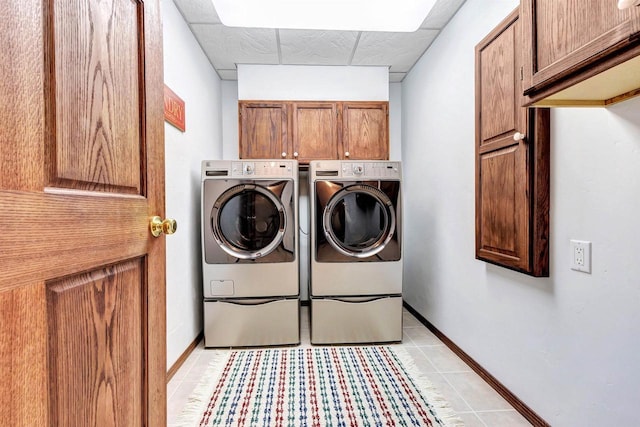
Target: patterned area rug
320, 386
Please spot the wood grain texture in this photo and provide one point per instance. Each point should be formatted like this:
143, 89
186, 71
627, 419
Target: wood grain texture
365, 130
264, 130
503, 218
96, 85
497, 88
23, 356
21, 87
512, 177
153, 168
59, 227
51, 234
315, 131
564, 39
96, 367
360, 128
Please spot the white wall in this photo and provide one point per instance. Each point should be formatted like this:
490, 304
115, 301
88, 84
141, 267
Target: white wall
314, 83
568, 345
190, 75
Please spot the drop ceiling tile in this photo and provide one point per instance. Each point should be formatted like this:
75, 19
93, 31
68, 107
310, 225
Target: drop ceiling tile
398, 50
198, 11
396, 77
226, 46
305, 47
228, 74
441, 13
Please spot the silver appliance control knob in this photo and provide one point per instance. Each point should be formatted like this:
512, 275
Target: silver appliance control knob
248, 169
358, 169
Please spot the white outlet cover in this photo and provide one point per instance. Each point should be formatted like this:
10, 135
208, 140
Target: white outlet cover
580, 256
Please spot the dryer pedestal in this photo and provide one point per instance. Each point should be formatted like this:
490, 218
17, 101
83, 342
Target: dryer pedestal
251, 322
353, 320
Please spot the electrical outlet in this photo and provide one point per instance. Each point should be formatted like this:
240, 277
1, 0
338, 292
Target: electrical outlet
581, 256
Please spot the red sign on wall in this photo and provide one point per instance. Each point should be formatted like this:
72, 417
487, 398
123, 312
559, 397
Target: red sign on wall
174, 112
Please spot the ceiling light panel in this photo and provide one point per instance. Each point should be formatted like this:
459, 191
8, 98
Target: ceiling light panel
344, 15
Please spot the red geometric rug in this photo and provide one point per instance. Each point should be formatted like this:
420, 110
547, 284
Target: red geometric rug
320, 386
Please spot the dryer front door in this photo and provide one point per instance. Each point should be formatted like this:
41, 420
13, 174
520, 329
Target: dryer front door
249, 222
357, 222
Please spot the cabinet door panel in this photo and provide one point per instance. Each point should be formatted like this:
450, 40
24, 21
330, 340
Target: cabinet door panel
365, 130
567, 36
315, 131
264, 130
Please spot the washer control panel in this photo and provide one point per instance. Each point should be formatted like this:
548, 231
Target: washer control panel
370, 169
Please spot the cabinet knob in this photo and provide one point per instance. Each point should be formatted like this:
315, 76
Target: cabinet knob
295, 154
284, 154
346, 154
518, 136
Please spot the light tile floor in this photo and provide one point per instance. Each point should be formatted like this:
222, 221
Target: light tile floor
473, 400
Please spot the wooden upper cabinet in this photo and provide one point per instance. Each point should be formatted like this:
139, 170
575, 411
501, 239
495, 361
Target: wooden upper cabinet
512, 159
264, 130
365, 130
580, 52
315, 131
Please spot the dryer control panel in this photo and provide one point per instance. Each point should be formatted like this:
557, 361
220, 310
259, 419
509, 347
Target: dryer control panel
263, 169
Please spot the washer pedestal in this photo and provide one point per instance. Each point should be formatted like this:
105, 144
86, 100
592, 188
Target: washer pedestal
251, 322
351, 320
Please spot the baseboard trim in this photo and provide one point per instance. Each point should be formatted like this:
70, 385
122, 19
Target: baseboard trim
183, 357
518, 404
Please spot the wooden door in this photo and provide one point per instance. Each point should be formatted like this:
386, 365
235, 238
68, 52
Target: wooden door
365, 130
512, 159
82, 282
315, 131
564, 37
264, 130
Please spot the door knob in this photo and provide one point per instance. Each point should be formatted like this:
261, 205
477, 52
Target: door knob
518, 136
158, 226
284, 154
295, 154
346, 154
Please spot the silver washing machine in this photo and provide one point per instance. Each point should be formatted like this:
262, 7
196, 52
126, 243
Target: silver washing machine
250, 253
356, 251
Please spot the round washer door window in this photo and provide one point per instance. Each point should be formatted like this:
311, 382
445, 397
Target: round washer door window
248, 221
359, 221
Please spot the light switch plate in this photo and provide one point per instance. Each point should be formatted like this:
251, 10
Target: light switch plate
580, 256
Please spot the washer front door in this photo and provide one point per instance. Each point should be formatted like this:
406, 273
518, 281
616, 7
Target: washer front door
359, 221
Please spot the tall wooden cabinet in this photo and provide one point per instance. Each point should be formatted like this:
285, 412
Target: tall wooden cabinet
314, 130
512, 159
569, 41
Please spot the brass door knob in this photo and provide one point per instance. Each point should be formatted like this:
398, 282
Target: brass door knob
158, 226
